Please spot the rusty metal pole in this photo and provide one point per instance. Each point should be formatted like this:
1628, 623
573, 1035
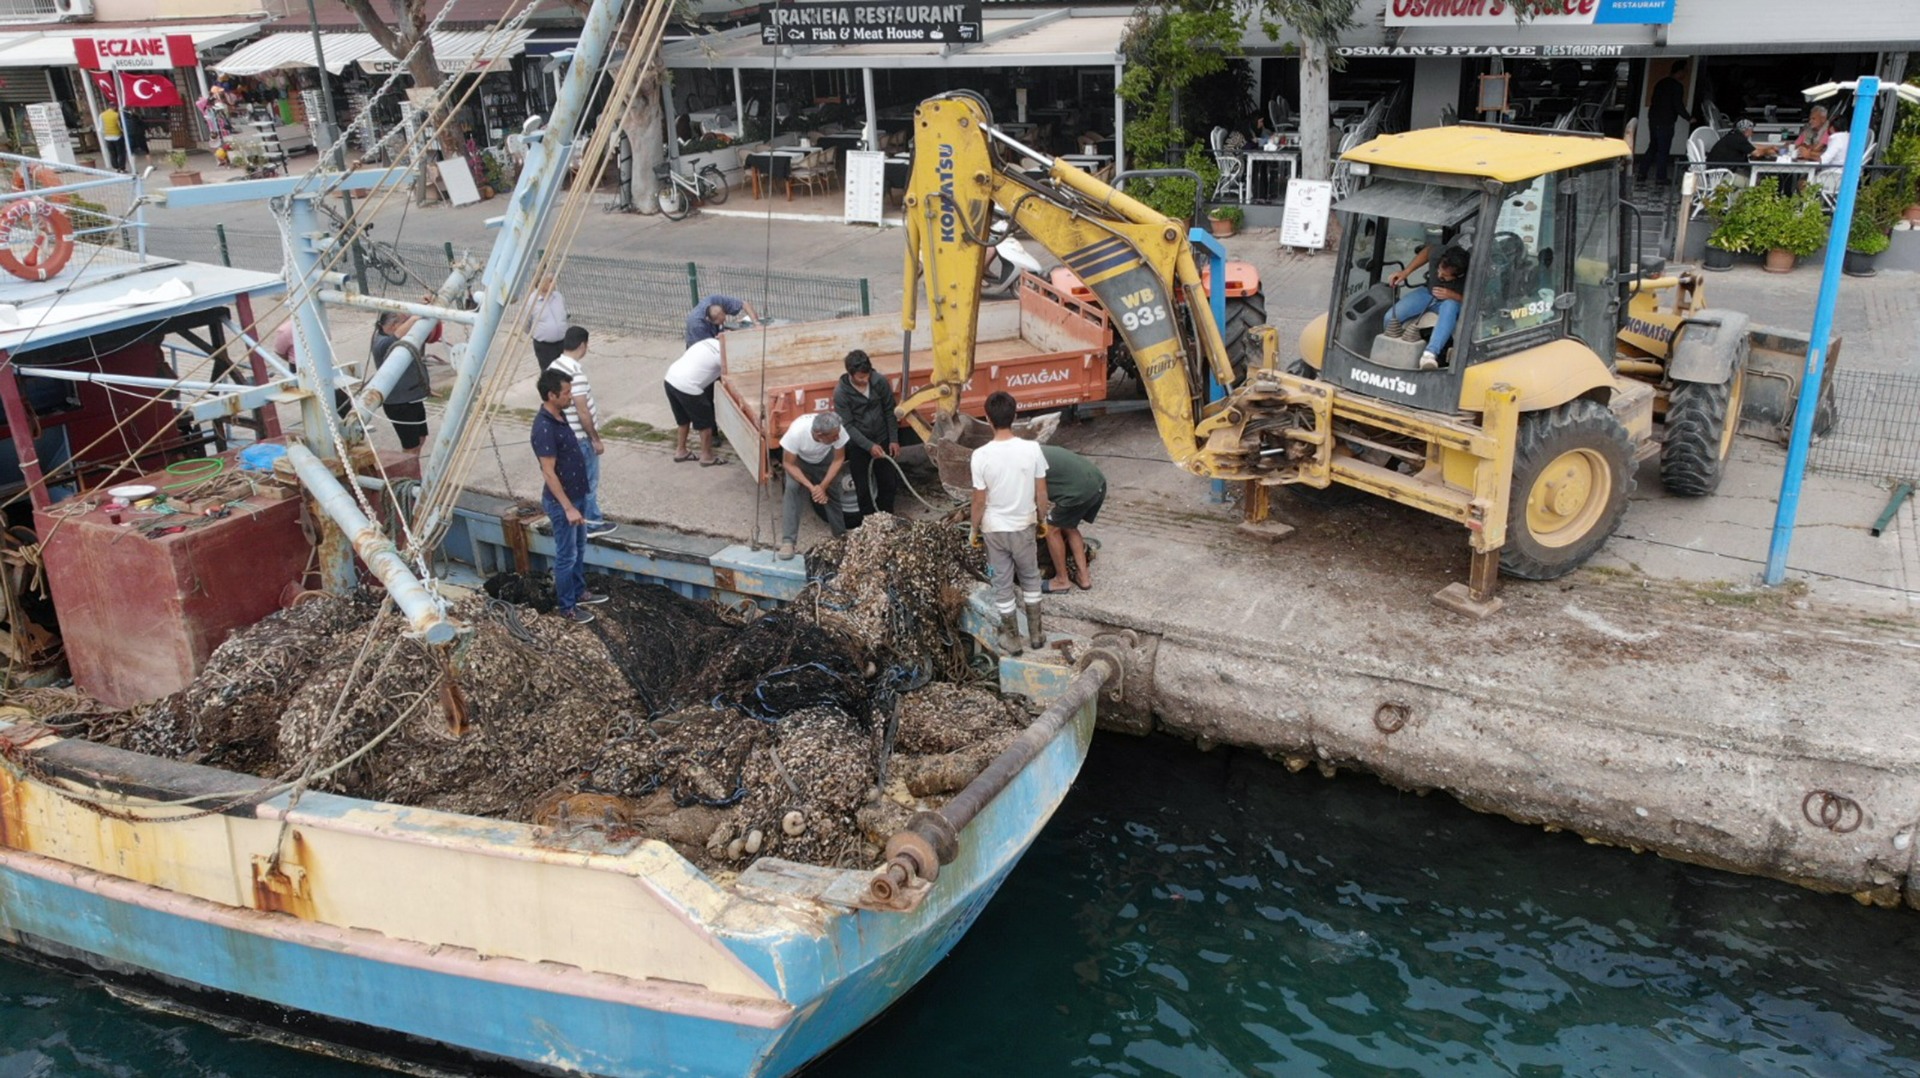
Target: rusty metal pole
426, 616
20, 425
932, 839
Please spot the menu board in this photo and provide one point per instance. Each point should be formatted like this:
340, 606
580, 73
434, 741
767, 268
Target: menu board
49, 126
1305, 222
866, 186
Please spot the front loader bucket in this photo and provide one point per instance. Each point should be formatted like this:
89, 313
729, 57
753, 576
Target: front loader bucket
956, 437
1775, 367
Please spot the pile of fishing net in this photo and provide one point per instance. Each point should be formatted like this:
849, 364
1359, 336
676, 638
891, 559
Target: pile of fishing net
809, 732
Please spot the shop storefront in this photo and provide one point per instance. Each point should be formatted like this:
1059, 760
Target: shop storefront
282, 70
1593, 66
62, 64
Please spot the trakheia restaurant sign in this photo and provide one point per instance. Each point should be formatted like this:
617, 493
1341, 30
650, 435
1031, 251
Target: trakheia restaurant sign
1547, 13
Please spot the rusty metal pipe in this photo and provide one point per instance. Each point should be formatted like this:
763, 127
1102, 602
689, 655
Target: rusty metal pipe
932, 839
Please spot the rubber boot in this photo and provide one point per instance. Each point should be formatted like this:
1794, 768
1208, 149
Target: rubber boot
1036, 636
1010, 634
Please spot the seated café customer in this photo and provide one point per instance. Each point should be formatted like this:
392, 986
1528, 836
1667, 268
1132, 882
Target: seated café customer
1735, 147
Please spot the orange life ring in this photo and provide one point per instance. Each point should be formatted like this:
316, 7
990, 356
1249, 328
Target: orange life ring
48, 239
43, 177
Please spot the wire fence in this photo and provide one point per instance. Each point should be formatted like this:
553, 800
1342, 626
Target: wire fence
1876, 434
614, 295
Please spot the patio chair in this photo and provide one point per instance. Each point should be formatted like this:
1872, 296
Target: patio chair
1827, 181
1706, 178
1232, 184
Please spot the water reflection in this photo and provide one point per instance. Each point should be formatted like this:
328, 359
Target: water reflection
1200, 915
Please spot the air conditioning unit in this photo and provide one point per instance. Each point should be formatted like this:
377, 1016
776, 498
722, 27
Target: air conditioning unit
76, 10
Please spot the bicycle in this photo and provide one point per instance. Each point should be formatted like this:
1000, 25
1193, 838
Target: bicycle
377, 255
682, 191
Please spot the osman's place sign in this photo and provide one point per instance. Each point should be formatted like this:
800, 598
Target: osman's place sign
1553, 13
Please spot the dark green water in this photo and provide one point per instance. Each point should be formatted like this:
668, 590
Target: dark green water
1191, 914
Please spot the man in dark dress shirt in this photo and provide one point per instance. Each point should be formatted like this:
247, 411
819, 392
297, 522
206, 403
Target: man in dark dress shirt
563, 470
1667, 106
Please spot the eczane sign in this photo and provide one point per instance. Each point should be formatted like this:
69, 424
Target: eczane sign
135, 52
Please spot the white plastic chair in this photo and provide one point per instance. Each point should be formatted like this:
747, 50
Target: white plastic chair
1706, 178
1828, 181
1233, 177
1703, 137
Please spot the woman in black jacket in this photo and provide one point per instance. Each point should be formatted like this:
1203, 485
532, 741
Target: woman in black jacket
865, 405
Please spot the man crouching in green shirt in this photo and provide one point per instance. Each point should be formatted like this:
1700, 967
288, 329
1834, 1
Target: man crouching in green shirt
1077, 489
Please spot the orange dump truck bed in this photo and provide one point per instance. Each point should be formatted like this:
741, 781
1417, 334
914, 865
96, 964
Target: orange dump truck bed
1048, 350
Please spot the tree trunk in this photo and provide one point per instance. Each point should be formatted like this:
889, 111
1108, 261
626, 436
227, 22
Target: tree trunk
642, 125
1315, 118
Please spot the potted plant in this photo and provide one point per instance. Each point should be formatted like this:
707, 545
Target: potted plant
1877, 205
1784, 228
1225, 220
1713, 210
182, 176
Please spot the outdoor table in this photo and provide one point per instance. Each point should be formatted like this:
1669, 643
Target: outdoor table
1275, 158
777, 164
1099, 165
897, 170
1801, 169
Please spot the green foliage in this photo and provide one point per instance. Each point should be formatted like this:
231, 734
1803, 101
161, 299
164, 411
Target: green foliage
1315, 20
1762, 219
1228, 213
177, 159
1168, 49
1876, 206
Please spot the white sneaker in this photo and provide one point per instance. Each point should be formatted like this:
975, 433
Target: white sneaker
1429, 361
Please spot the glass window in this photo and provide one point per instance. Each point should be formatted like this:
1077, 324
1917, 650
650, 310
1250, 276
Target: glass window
1517, 293
1595, 254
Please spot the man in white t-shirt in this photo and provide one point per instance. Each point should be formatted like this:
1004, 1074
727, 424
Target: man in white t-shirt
1009, 494
813, 450
584, 417
690, 393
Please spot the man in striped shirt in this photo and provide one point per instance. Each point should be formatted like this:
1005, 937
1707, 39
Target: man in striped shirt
584, 417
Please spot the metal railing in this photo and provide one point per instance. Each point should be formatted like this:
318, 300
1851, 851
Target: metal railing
614, 295
104, 207
1876, 431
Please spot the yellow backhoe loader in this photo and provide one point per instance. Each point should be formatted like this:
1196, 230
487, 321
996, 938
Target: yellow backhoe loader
1524, 425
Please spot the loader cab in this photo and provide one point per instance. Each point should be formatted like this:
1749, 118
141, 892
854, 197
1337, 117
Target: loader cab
1540, 256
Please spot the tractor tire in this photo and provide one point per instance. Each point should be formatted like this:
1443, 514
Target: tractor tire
1701, 422
1572, 473
1244, 314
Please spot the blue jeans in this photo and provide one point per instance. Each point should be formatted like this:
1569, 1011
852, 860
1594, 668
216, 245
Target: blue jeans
590, 505
569, 566
1419, 301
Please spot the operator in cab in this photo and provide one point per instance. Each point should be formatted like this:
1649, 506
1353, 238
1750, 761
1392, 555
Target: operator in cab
1443, 296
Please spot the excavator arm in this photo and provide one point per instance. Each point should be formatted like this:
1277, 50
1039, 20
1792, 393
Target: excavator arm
1130, 255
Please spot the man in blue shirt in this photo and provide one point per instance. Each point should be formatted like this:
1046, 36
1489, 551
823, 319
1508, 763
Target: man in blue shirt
564, 471
710, 315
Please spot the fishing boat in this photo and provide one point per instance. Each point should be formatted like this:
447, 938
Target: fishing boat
384, 931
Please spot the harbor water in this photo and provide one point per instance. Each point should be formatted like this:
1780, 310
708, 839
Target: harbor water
1214, 914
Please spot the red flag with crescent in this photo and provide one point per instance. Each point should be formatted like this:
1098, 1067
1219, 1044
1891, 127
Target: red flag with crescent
144, 90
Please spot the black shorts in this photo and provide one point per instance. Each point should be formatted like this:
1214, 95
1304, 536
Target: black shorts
1074, 514
691, 409
409, 421
548, 351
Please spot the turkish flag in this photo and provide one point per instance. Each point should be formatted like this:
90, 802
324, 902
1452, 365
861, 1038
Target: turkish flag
143, 90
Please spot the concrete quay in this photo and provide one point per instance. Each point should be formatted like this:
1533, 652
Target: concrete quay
1658, 698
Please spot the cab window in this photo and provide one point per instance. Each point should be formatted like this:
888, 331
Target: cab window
1518, 263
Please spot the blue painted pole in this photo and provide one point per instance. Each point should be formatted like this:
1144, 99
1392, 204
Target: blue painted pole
1866, 91
1204, 242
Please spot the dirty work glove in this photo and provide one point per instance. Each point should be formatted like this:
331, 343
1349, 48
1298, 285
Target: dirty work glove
973, 535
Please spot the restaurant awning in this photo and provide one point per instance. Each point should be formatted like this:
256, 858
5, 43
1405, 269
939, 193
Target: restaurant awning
454, 50
54, 47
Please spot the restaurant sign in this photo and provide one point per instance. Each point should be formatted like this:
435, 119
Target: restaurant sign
1507, 52
1544, 13
836, 23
